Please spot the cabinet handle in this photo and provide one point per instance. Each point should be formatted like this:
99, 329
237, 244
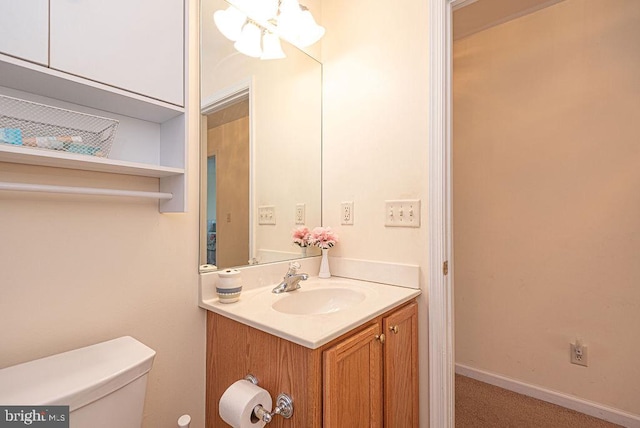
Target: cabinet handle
394, 328
380, 337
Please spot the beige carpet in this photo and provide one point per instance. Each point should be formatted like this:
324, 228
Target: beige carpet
479, 404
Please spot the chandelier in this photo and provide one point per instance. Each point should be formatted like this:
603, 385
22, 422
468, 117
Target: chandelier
256, 26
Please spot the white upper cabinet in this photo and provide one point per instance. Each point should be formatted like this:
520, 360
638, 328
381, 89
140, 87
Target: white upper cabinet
24, 29
136, 45
120, 59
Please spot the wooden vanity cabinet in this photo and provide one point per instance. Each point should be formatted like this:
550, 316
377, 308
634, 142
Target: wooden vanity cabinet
365, 378
235, 350
353, 381
371, 378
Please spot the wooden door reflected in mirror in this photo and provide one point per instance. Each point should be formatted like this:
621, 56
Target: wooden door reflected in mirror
228, 160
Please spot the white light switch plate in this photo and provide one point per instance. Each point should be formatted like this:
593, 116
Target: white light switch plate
402, 213
266, 214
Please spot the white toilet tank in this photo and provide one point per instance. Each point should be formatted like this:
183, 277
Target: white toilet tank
104, 384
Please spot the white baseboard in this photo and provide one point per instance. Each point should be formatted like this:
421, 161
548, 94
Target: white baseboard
590, 408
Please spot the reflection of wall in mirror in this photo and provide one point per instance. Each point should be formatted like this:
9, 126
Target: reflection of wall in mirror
229, 143
288, 152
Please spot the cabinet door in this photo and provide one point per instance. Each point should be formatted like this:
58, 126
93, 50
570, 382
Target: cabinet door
401, 368
136, 45
353, 382
24, 29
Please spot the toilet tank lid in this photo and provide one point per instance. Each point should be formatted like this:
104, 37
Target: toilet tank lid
78, 377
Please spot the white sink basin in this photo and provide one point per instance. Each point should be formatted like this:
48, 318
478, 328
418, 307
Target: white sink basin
320, 311
318, 301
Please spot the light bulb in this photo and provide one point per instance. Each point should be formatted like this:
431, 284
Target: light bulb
229, 22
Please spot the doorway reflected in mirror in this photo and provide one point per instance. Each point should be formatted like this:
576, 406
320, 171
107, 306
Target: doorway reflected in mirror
228, 195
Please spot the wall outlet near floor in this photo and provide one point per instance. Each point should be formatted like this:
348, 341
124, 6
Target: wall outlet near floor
346, 212
300, 213
578, 353
266, 214
402, 213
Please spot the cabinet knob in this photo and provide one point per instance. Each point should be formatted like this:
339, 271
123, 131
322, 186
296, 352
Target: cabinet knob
394, 328
380, 337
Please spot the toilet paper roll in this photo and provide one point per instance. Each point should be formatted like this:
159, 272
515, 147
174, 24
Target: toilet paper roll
239, 400
229, 278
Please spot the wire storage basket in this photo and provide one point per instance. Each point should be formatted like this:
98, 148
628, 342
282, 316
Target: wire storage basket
29, 124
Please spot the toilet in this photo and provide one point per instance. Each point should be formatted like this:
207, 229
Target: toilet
104, 385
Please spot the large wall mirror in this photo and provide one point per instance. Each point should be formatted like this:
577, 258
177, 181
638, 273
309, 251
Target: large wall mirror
261, 157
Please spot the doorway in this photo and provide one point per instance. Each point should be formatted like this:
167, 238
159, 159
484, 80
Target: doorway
545, 166
228, 184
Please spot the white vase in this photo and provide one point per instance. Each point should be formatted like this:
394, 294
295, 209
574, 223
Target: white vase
324, 265
304, 251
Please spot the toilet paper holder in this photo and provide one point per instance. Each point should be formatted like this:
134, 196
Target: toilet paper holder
284, 405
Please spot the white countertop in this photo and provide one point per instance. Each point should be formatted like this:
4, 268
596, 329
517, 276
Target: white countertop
255, 308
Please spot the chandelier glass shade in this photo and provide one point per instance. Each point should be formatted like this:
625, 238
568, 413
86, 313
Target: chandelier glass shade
256, 26
230, 22
271, 47
249, 41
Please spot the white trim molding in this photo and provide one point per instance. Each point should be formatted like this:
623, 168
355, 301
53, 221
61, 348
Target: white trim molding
226, 97
590, 408
440, 286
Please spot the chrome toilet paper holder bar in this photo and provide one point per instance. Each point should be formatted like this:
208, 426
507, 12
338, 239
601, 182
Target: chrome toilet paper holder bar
284, 405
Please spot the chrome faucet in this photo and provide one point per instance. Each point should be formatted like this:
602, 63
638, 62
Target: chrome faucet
291, 280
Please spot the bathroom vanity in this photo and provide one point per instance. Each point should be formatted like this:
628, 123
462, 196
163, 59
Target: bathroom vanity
344, 360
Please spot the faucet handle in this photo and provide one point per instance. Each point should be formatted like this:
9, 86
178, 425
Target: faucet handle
293, 268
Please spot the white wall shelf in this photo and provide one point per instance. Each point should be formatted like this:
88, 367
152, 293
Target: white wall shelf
39, 157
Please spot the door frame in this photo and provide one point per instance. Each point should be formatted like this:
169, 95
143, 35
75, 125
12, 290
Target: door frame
440, 284
216, 102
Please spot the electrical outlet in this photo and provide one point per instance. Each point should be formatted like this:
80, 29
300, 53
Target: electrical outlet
266, 214
402, 213
300, 213
578, 353
346, 212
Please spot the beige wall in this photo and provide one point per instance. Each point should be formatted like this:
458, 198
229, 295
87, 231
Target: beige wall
546, 200
375, 133
76, 270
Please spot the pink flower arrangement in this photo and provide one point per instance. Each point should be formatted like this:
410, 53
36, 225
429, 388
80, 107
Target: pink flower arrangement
301, 236
323, 237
